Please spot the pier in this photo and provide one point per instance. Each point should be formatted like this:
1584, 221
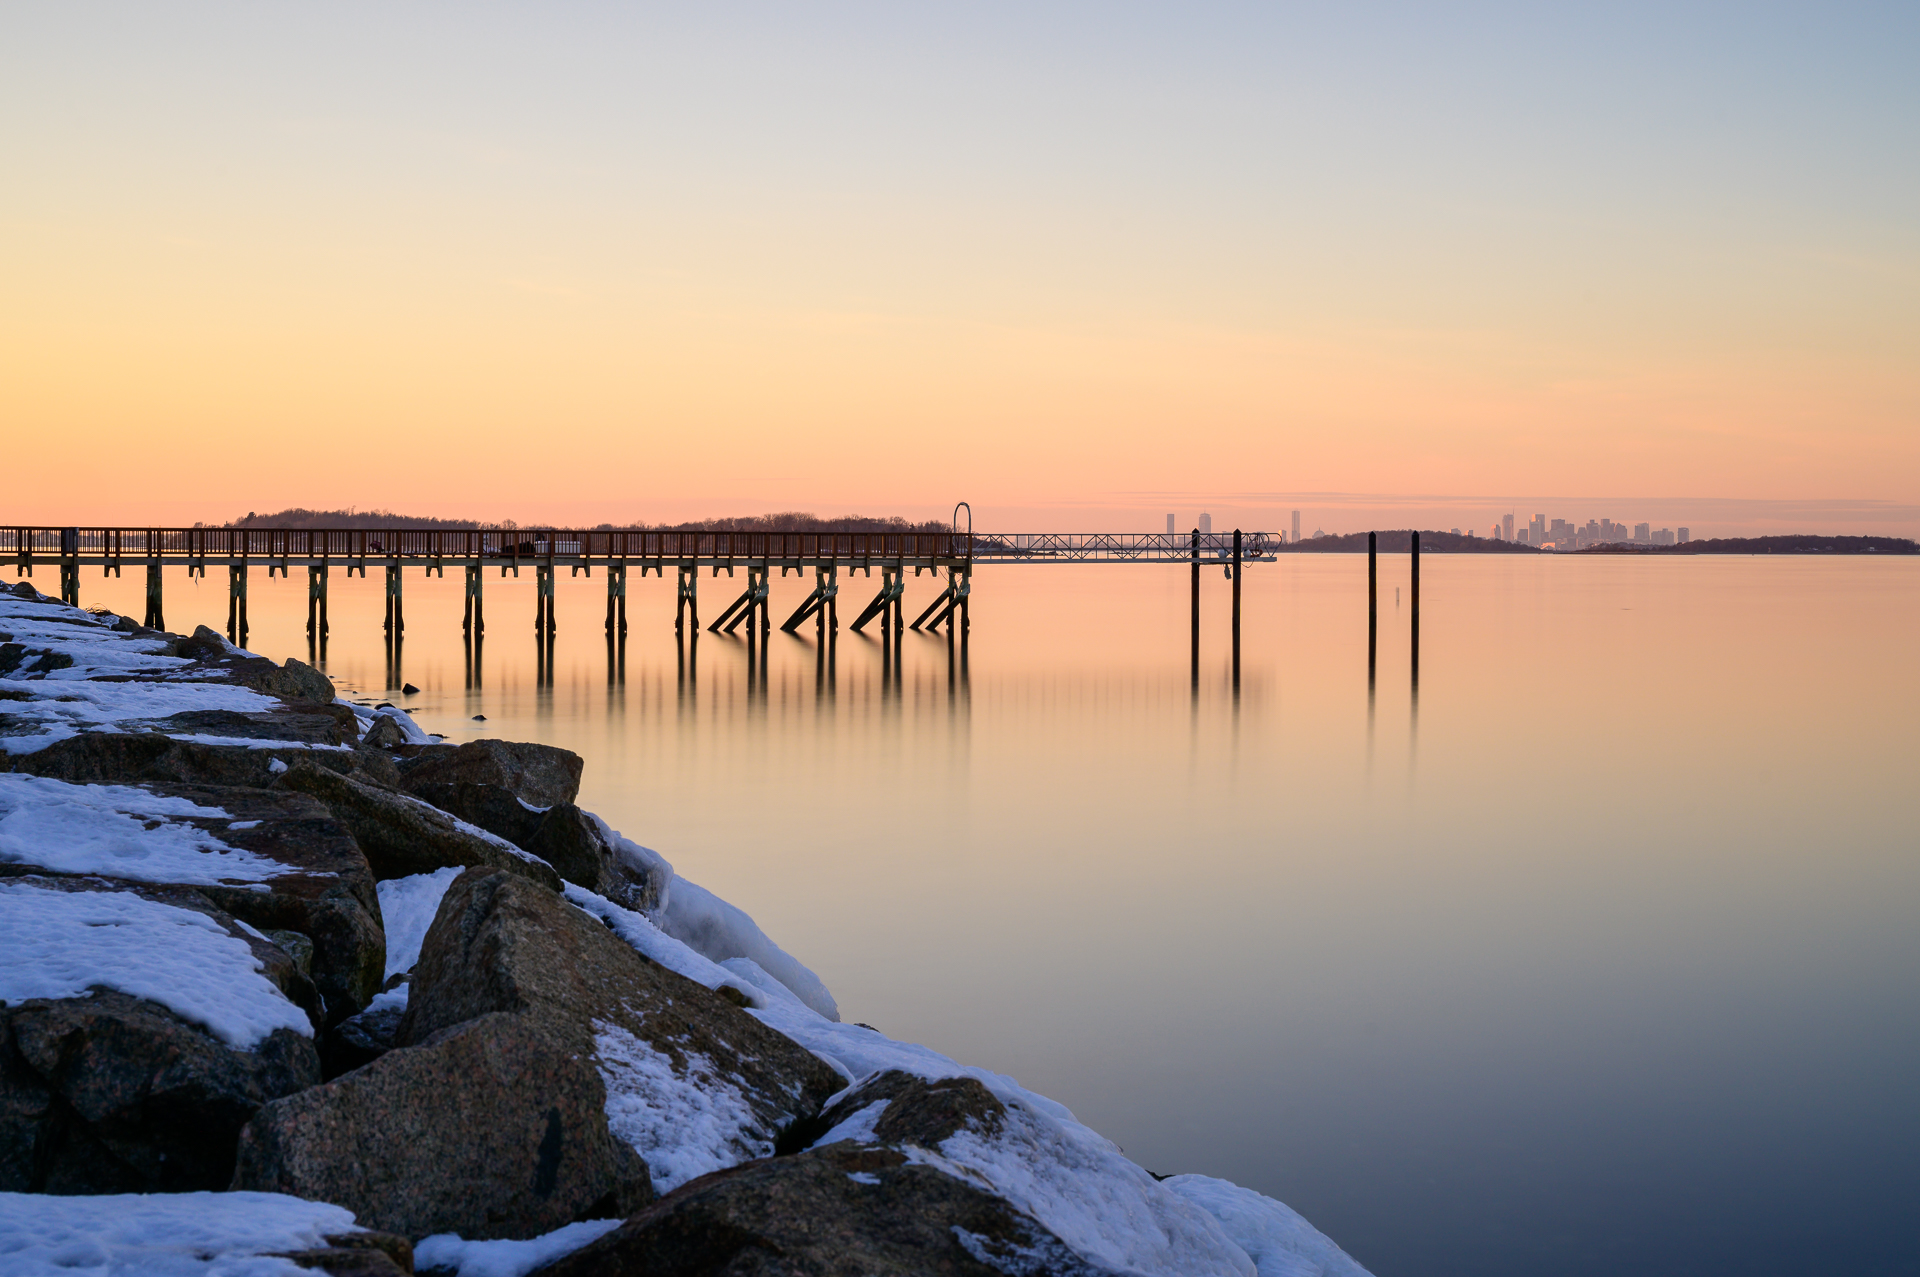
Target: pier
827, 559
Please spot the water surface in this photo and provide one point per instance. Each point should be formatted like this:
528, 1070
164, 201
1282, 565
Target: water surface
1596, 955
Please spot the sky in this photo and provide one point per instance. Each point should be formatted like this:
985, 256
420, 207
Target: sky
1081, 266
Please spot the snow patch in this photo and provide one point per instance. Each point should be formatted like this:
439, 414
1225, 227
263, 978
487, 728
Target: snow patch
407, 909
683, 1125
506, 1258
121, 832
60, 944
161, 1234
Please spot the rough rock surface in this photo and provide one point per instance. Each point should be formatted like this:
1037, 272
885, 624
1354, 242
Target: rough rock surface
840, 1209
132, 758
538, 774
112, 1093
490, 1129
919, 1113
402, 836
562, 835
499, 944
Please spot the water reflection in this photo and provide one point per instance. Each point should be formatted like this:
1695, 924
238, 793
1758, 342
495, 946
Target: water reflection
1625, 983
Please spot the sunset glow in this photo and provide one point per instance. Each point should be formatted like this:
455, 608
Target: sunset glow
1080, 269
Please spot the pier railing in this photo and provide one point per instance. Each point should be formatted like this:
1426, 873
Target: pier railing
490, 544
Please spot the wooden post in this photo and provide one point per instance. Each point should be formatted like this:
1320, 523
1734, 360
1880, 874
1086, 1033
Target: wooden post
156, 619
1196, 608
1373, 603
1416, 609
1236, 607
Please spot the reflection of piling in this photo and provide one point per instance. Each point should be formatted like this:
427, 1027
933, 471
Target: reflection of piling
1196, 609
1416, 609
1236, 609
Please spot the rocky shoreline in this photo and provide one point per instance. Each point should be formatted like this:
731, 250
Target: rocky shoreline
288, 985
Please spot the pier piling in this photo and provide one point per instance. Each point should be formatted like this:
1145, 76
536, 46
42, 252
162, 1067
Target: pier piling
1196, 609
156, 617
1373, 604
1416, 609
1236, 609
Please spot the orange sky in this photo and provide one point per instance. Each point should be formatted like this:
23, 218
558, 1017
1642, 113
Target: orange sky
595, 267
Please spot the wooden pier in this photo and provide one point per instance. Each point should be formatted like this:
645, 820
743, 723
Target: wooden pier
950, 557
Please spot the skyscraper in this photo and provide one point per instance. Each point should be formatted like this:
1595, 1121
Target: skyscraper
1169, 525
1296, 526
1686, 535
1506, 528
1206, 523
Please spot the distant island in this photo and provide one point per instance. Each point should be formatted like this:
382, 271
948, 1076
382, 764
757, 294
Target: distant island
300, 518
1769, 545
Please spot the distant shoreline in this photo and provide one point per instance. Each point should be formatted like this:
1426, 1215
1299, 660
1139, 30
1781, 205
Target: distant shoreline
1400, 542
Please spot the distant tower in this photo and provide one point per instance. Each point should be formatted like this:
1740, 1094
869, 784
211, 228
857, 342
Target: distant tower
1686, 535
1206, 523
1169, 525
1296, 527
1506, 528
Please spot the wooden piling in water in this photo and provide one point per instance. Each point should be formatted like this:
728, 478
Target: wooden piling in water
1373, 603
1196, 607
156, 617
1416, 609
1236, 607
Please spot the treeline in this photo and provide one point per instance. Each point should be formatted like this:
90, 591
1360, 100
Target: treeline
1769, 545
350, 518
1400, 541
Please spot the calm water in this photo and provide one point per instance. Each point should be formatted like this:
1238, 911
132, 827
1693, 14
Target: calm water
1601, 956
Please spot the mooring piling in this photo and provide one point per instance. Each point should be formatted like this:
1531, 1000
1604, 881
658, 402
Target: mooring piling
1236, 609
1373, 605
1196, 609
1415, 593
156, 617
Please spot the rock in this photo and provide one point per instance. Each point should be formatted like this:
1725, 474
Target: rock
479, 718
368, 1254
125, 625
490, 1129
309, 682
297, 947
384, 734
361, 1039
309, 724
16, 658
562, 835
663, 1042
538, 774
131, 758
112, 1093
402, 836
840, 1209
920, 1113
409, 690
25, 590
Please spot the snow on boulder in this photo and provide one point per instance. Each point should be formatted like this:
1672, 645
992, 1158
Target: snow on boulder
57, 942
1279, 1241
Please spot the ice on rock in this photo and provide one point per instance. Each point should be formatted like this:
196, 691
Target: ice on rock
450, 1252
1279, 1241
